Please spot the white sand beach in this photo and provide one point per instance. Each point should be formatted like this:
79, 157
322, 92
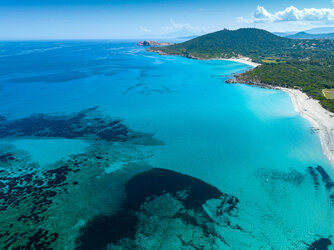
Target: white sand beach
244, 60
321, 119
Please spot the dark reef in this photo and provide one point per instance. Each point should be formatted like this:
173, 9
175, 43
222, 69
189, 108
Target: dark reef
318, 175
159, 181
147, 188
35, 193
321, 244
328, 183
28, 192
325, 178
86, 123
315, 177
293, 176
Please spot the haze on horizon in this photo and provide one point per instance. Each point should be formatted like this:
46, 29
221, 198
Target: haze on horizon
114, 19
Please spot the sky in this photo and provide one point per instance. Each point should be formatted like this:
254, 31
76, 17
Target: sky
126, 19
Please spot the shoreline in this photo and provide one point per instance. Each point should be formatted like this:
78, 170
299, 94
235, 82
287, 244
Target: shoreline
321, 119
310, 109
244, 60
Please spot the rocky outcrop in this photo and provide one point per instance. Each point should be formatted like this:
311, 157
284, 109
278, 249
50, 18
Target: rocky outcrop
239, 78
164, 210
153, 43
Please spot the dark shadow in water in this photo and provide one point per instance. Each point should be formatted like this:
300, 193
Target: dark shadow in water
315, 177
27, 192
329, 184
145, 188
75, 125
322, 183
321, 244
293, 176
318, 175
159, 181
19, 190
89, 124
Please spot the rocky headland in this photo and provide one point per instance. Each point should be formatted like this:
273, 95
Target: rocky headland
153, 43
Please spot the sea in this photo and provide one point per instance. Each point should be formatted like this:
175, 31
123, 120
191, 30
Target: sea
104, 145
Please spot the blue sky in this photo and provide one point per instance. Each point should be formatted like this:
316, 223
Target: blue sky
96, 19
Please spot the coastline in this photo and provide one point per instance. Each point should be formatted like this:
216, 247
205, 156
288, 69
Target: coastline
244, 60
321, 119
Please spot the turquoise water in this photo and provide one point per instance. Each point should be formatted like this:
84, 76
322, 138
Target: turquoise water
246, 141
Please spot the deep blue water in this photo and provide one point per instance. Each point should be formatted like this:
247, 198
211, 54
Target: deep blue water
246, 141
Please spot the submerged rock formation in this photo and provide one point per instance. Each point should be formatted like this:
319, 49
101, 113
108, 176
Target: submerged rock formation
321, 244
39, 205
318, 175
89, 124
163, 209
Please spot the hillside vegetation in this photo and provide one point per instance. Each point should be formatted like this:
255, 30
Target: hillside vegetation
305, 64
312, 78
226, 44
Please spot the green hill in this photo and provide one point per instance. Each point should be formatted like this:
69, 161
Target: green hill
304, 63
227, 43
257, 44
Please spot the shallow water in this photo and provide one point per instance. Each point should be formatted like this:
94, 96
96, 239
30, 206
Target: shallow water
246, 141
48, 151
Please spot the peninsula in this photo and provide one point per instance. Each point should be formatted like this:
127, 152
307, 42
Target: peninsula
302, 68
153, 43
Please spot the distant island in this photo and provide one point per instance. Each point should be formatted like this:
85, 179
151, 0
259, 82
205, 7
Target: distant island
305, 35
153, 43
303, 68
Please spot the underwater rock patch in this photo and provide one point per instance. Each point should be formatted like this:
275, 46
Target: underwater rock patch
25, 195
321, 244
17, 192
325, 178
159, 181
163, 209
318, 175
314, 176
7, 157
36, 203
89, 124
17, 189
293, 176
